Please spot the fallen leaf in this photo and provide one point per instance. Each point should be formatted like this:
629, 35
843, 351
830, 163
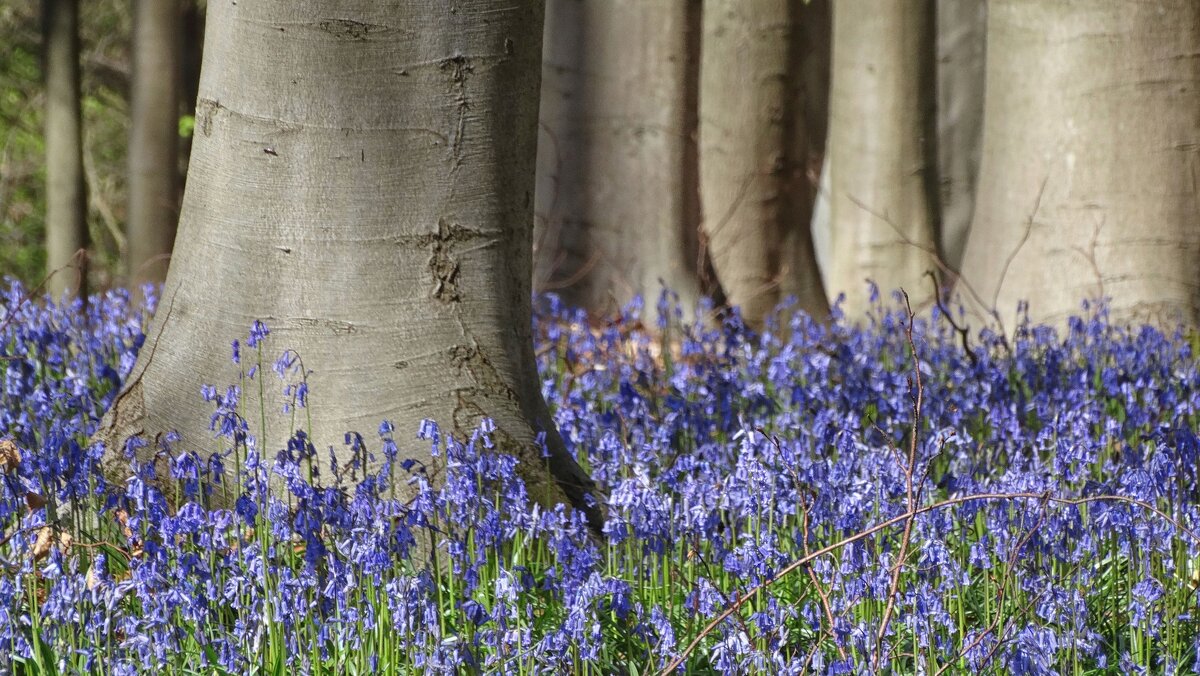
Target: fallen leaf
41, 545
34, 502
45, 541
10, 456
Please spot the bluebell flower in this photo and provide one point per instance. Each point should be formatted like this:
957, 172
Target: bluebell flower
1144, 595
258, 332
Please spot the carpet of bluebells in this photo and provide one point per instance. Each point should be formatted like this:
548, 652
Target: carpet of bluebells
795, 500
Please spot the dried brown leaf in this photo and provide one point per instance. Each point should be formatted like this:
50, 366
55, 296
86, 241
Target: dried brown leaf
34, 502
123, 518
10, 456
45, 541
41, 545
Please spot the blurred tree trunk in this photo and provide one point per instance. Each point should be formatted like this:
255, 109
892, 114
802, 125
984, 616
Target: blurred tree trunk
882, 192
153, 139
1091, 153
66, 198
190, 53
380, 224
756, 198
616, 196
961, 41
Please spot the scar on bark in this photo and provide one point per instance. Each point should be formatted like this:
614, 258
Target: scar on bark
337, 326
123, 421
460, 68
348, 29
206, 110
488, 380
126, 416
443, 263
444, 266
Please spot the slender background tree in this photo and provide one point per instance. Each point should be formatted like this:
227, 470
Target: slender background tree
153, 139
66, 197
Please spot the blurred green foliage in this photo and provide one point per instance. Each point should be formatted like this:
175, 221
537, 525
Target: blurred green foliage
105, 29
22, 172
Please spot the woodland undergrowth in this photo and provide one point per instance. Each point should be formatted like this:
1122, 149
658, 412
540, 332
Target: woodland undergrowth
834, 498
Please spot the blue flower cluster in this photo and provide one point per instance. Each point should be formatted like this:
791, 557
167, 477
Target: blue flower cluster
814, 498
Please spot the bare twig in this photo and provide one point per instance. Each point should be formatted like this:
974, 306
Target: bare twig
1037, 206
910, 469
955, 276
963, 334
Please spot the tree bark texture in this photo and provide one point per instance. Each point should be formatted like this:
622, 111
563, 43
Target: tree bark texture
362, 181
755, 193
1091, 156
961, 41
153, 139
881, 189
617, 208
66, 197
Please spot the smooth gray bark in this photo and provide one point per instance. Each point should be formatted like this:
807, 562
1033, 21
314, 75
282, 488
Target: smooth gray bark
1091, 152
153, 140
364, 185
961, 42
753, 157
616, 197
66, 196
882, 195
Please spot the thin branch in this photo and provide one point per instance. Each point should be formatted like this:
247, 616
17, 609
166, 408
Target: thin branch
910, 495
932, 251
963, 334
1037, 206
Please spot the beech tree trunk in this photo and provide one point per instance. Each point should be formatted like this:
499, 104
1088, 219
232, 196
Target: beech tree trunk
66, 196
882, 192
616, 196
961, 42
153, 139
1091, 153
363, 183
756, 198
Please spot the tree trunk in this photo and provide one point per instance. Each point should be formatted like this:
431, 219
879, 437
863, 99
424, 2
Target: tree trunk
153, 139
961, 39
191, 51
753, 156
616, 198
66, 197
1091, 158
882, 193
812, 54
364, 185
